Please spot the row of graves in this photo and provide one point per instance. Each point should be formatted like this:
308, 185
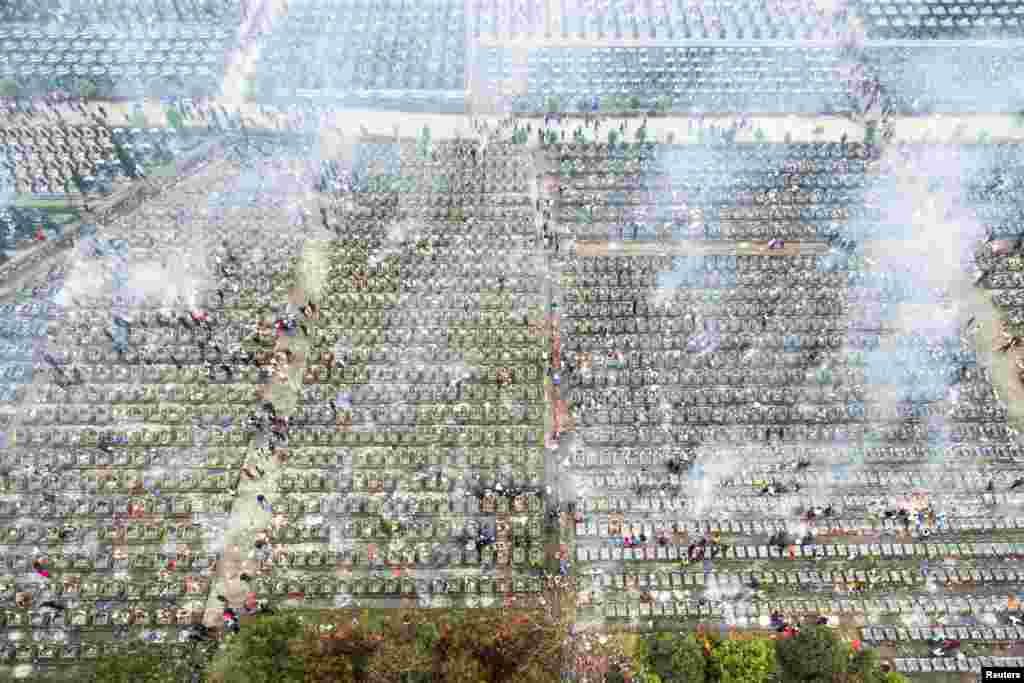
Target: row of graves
816, 192
997, 263
21, 227
120, 11
677, 20
71, 160
755, 444
796, 79
24, 323
143, 52
910, 665
633, 191
368, 53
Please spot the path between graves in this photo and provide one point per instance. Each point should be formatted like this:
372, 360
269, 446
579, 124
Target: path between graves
249, 522
693, 247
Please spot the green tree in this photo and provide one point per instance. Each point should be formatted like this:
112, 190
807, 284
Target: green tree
641, 134
613, 137
8, 88
673, 658
634, 102
249, 89
263, 652
423, 143
865, 667
127, 164
173, 117
871, 133
759, 135
87, 89
663, 104
814, 655
140, 665
615, 675
552, 104
741, 661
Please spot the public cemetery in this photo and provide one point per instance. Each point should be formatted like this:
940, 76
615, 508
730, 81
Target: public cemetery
692, 307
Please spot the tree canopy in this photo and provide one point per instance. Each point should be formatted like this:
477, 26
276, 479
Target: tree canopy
741, 661
814, 655
263, 651
675, 658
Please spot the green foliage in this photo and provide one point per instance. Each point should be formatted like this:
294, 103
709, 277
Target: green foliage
427, 636
261, 652
741, 661
864, 666
814, 655
984, 137
87, 89
615, 675
553, 104
871, 133
673, 658
8, 88
641, 134
663, 104
423, 143
173, 118
759, 135
634, 102
249, 88
142, 666
613, 137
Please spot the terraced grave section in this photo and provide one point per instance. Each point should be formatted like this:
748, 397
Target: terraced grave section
676, 20
184, 53
741, 447
434, 455
769, 79
365, 54
118, 475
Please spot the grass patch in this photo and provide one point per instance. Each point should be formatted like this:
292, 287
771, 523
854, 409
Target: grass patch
65, 218
28, 202
167, 170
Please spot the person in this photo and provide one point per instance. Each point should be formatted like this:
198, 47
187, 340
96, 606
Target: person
264, 505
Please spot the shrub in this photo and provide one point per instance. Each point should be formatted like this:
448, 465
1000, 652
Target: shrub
673, 658
742, 661
814, 655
